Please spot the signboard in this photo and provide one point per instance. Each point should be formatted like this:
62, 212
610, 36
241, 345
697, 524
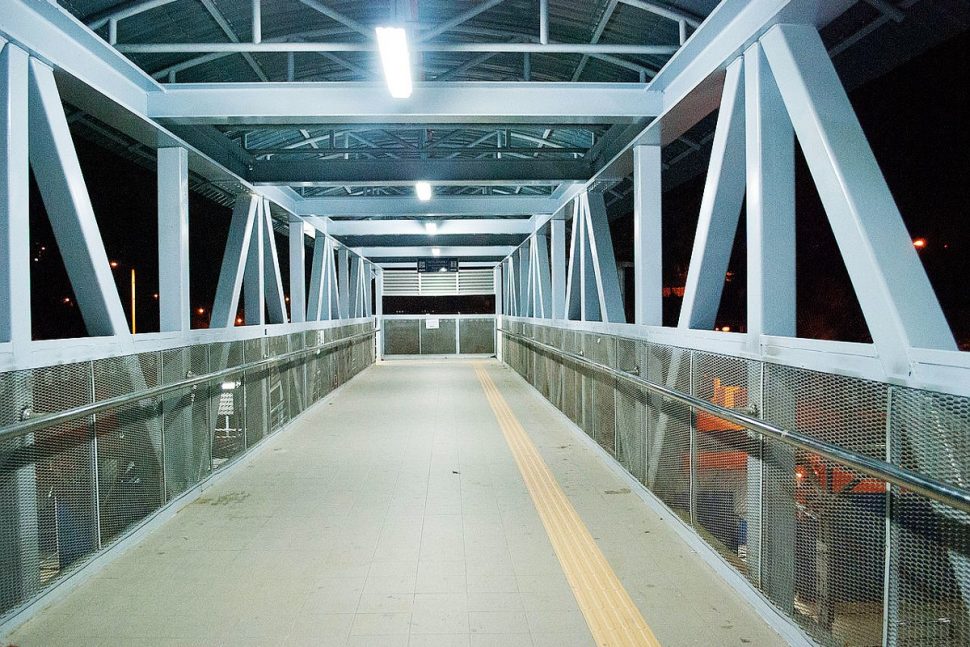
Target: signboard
431, 324
438, 265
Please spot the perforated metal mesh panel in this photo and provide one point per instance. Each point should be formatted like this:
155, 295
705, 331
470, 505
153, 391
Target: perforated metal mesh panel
185, 419
810, 533
67, 490
402, 337
669, 429
727, 459
832, 516
441, 340
929, 584
476, 336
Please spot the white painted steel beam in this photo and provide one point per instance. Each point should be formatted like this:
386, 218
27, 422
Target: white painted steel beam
464, 102
607, 281
273, 279
405, 172
486, 251
173, 240
439, 206
254, 280
647, 236
557, 284
265, 47
15, 320
297, 257
770, 203
317, 278
343, 282
895, 295
720, 209
415, 227
231, 274
58, 173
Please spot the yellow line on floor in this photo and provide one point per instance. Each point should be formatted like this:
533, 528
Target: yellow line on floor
612, 616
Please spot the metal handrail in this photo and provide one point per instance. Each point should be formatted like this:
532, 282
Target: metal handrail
40, 422
931, 488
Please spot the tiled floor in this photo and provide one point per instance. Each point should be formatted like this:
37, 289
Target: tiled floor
395, 515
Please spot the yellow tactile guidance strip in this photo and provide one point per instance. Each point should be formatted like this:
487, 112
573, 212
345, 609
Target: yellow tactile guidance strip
612, 616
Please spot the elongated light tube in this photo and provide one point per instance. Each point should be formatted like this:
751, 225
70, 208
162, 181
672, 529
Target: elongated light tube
393, 45
423, 191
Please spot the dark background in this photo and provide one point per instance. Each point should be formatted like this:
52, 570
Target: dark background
914, 119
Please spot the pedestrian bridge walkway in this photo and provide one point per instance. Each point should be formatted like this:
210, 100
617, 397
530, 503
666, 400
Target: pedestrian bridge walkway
425, 503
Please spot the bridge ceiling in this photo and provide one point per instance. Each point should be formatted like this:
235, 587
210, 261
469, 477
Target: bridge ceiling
206, 44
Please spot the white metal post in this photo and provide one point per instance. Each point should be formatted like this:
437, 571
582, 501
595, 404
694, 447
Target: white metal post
557, 242
343, 283
379, 311
318, 279
58, 173
717, 224
234, 262
522, 255
499, 295
15, 321
272, 277
253, 282
895, 295
770, 205
647, 241
606, 280
173, 239
297, 249
543, 300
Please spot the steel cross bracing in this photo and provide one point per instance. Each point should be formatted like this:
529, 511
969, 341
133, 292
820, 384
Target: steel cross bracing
571, 141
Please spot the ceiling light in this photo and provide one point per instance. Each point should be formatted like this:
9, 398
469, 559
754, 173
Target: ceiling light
423, 189
431, 228
393, 45
436, 251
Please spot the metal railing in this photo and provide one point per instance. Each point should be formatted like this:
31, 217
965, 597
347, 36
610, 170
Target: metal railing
407, 335
843, 501
90, 451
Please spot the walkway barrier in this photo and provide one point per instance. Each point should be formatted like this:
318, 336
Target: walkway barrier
90, 451
845, 502
439, 335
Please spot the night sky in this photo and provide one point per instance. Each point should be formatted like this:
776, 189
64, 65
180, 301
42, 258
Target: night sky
912, 116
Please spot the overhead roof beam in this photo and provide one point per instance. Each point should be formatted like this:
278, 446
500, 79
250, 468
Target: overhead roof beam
666, 11
407, 171
443, 227
466, 102
465, 16
290, 46
339, 17
439, 206
484, 251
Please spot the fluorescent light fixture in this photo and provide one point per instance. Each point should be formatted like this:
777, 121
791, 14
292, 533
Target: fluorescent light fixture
436, 251
393, 44
423, 190
431, 228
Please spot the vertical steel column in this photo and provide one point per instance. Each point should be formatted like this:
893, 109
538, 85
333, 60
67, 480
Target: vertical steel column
542, 298
226, 302
343, 283
605, 275
61, 183
15, 321
770, 206
717, 224
647, 240
522, 254
379, 311
557, 241
499, 296
253, 283
297, 248
173, 239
